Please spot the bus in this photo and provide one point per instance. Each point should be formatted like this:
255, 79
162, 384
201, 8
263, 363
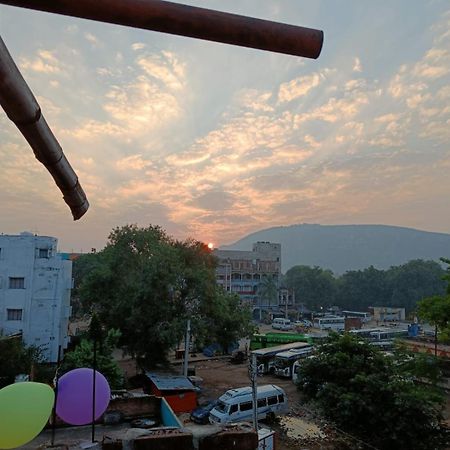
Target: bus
272, 339
265, 357
365, 333
387, 334
333, 323
364, 316
285, 360
296, 369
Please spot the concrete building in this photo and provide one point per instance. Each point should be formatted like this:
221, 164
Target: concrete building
247, 273
286, 300
35, 285
387, 313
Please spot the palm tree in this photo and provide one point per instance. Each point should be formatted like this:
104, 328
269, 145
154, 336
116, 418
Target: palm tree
268, 289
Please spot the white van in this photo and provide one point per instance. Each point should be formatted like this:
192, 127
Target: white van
236, 405
282, 324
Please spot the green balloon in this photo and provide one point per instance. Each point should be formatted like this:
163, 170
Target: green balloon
24, 411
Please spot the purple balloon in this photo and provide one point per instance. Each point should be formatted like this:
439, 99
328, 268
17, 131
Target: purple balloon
74, 402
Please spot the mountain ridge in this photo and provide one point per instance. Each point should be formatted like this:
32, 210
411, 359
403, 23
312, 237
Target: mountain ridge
349, 247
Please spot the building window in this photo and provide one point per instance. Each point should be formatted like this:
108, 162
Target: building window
16, 283
43, 252
13, 314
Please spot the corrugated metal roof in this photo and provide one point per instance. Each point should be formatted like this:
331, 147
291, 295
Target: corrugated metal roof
170, 382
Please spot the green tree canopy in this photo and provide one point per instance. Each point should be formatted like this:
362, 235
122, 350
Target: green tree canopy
359, 289
373, 396
436, 309
16, 358
146, 284
268, 291
312, 285
413, 281
83, 356
400, 286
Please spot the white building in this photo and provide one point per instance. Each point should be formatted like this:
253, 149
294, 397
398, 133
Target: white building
35, 284
244, 273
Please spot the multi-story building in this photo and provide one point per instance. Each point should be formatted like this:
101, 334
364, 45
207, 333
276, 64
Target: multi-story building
253, 275
35, 285
286, 298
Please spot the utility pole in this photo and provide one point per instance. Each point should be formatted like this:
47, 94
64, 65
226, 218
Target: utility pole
186, 348
253, 377
287, 300
435, 339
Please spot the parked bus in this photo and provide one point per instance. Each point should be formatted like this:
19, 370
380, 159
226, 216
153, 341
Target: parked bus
265, 357
282, 324
388, 334
384, 346
296, 368
272, 339
285, 360
330, 323
236, 405
365, 333
364, 316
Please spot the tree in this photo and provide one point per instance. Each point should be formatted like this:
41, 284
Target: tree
373, 396
359, 289
313, 286
83, 355
436, 309
16, 358
414, 281
81, 268
146, 284
225, 323
268, 291
400, 286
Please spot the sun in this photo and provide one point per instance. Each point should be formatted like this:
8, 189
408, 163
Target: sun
211, 246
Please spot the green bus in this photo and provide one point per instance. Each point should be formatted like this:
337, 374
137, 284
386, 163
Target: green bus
272, 339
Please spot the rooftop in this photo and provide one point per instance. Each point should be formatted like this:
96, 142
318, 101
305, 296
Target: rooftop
170, 382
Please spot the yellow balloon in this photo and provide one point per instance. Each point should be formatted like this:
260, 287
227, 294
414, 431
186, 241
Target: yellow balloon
24, 411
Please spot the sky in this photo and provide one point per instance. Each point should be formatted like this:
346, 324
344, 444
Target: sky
213, 141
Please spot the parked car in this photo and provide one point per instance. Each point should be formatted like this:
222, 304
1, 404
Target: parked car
282, 324
303, 323
201, 414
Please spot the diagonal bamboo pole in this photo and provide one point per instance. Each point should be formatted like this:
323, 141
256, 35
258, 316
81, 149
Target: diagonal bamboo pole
22, 108
191, 21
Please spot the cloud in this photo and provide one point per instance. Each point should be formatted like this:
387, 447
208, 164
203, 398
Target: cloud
165, 68
92, 39
297, 87
45, 62
141, 105
357, 67
214, 201
208, 143
138, 46
133, 162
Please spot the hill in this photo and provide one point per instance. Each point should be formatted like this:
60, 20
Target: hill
349, 247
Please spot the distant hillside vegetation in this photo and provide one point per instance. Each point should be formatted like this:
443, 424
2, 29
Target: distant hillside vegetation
349, 247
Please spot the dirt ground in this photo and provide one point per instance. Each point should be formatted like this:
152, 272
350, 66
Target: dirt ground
297, 431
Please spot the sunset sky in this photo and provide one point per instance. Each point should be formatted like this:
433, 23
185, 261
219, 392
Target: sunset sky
213, 141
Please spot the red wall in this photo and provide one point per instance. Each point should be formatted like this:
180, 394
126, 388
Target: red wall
179, 402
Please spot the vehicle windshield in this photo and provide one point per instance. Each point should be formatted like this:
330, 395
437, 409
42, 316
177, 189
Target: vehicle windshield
281, 363
221, 407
